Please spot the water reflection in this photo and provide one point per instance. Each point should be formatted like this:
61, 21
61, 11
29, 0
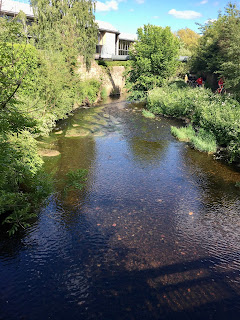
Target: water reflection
154, 234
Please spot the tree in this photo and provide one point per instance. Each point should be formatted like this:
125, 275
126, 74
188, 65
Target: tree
154, 58
188, 37
229, 44
218, 52
66, 25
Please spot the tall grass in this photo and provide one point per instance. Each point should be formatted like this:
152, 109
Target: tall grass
216, 118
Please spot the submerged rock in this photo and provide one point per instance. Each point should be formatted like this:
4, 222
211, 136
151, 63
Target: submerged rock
48, 153
77, 133
99, 134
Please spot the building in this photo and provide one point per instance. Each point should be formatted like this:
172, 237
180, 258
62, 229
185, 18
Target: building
112, 45
12, 8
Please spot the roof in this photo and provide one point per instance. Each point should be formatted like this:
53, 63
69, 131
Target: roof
14, 7
105, 26
128, 36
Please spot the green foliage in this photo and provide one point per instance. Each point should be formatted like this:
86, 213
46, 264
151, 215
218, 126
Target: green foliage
237, 185
153, 60
67, 26
201, 140
148, 114
23, 186
88, 90
219, 49
106, 63
204, 141
184, 133
38, 86
189, 39
218, 117
75, 179
104, 94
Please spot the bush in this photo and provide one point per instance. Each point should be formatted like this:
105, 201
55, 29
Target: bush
148, 114
184, 133
38, 87
218, 117
23, 185
107, 63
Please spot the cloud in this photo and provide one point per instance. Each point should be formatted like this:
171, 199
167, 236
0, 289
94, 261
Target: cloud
210, 21
140, 1
107, 6
186, 14
155, 17
204, 2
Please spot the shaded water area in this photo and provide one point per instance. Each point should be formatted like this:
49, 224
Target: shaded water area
155, 233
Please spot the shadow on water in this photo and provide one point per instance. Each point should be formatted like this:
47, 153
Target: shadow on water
153, 235
189, 290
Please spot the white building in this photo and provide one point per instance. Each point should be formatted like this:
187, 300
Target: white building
112, 44
12, 8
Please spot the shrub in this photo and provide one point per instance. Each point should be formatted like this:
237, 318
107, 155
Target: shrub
184, 133
148, 114
218, 117
23, 185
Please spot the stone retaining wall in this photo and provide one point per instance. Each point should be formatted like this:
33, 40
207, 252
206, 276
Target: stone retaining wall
112, 78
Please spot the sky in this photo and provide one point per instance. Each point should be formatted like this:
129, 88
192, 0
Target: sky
129, 15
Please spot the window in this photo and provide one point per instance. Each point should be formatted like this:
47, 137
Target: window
123, 48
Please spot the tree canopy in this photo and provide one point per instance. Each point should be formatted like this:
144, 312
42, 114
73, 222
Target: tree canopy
219, 49
68, 25
188, 37
154, 59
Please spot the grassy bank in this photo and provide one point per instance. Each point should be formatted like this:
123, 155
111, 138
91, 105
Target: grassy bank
214, 119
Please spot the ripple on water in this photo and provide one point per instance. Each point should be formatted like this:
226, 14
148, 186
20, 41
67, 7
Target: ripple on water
153, 235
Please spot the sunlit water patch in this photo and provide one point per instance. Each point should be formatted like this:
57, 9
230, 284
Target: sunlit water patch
153, 235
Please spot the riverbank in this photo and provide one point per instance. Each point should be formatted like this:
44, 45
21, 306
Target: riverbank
24, 185
213, 120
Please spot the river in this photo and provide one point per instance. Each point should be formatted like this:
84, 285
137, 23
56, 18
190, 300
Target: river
154, 234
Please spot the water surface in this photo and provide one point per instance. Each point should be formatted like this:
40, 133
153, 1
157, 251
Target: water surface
153, 235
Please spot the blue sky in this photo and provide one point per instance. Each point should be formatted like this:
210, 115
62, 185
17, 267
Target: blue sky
128, 15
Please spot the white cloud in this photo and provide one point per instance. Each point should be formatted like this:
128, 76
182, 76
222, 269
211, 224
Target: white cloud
156, 17
140, 1
131, 10
204, 2
107, 6
210, 21
186, 14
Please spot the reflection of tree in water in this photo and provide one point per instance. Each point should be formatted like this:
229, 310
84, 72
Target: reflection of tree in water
146, 151
216, 178
76, 153
147, 139
215, 204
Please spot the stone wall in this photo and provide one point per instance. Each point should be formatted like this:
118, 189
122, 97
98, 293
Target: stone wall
112, 78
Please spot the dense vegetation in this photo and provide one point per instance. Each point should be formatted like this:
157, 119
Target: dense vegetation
38, 86
214, 119
188, 41
154, 58
218, 53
